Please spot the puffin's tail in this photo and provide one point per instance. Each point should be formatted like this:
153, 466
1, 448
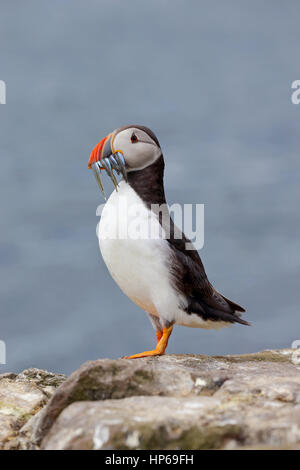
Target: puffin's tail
236, 307
217, 308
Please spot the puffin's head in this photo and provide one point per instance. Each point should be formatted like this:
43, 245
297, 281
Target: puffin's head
127, 149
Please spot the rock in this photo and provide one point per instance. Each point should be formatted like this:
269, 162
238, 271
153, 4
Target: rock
105, 379
21, 397
141, 423
248, 401
177, 402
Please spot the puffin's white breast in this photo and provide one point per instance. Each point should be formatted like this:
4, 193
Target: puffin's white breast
137, 262
140, 263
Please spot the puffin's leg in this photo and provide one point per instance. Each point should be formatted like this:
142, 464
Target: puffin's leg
162, 337
158, 336
157, 326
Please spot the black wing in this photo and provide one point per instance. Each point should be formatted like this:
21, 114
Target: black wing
190, 278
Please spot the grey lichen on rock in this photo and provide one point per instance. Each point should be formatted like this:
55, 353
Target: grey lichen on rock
167, 402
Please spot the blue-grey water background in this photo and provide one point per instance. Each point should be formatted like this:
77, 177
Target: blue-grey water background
213, 80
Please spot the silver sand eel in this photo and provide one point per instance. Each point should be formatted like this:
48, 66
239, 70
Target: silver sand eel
114, 162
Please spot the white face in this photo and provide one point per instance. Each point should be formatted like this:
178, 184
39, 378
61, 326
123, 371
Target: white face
138, 149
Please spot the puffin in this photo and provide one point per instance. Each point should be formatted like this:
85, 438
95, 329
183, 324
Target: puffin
159, 272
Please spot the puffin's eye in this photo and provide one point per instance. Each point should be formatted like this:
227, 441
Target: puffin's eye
134, 138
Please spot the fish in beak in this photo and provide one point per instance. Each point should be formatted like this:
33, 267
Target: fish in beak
103, 157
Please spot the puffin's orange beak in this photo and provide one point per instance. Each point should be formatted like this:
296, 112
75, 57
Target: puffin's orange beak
101, 150
103, 157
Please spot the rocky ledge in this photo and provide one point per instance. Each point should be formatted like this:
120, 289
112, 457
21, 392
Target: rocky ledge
167, 402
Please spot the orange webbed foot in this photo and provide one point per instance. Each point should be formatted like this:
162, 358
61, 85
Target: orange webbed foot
162, 342
154, 352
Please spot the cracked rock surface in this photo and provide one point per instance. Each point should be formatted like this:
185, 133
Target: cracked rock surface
22, 396
167, 402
